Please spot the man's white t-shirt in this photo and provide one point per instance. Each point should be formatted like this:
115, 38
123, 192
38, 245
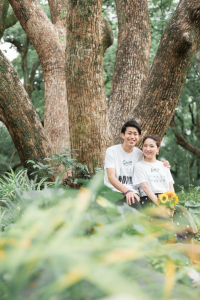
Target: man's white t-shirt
123, 163
155, 174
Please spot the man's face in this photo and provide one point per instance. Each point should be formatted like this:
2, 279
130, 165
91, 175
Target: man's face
131, 136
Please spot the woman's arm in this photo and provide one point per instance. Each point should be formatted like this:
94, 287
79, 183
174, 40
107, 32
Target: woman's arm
171, 186
149, 192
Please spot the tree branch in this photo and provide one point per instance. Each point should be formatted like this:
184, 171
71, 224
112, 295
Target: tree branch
31, 78
11, 20
192, 115
180, 140
15, 43
30, 12
24, 61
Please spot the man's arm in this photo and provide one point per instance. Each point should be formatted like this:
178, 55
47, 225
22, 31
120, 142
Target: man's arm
119, 186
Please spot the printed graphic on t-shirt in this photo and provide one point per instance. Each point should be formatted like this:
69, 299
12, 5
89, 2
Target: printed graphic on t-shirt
126, 174
127, 163
156, 177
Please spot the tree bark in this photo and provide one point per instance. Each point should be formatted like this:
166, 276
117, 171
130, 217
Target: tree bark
19, 116
132, 61
155, 107
46, 39
88, 36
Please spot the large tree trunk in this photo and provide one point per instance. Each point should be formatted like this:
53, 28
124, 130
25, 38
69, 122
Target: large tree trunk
88, 36
155, 107
47, 40
19, 116
132, 61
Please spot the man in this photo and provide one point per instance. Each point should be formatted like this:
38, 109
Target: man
120, 161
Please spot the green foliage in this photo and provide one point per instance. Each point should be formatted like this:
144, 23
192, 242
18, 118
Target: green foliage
190, 198
11, 182
67, 159
66, 244
8, 154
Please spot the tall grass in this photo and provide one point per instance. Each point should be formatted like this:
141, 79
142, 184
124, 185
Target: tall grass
77, 245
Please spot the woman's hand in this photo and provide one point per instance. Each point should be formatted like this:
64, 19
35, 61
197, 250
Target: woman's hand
165, 212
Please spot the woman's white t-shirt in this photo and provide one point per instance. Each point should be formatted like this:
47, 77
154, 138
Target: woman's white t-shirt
155, 174
123, 163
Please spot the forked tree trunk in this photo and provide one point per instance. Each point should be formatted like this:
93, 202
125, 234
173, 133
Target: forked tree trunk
88, 36
132, 61
19, 116
48, 40
156, 105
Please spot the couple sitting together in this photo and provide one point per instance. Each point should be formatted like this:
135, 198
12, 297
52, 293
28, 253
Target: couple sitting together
133, 172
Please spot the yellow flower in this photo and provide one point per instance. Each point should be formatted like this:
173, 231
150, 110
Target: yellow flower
172, 197
175, 200
163, 198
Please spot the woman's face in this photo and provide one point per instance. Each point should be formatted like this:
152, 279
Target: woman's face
150, 148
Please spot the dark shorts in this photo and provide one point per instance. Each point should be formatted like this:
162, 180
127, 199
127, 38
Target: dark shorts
135, 205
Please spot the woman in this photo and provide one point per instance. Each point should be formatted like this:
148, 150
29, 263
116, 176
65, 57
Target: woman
152, 179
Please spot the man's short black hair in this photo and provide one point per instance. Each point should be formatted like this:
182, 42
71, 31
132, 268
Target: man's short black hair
131, 124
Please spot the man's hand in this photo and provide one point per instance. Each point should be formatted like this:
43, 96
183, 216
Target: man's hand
166, 163
130, 198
